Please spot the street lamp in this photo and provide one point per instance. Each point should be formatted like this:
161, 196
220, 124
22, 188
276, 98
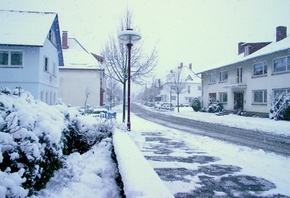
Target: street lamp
129, 36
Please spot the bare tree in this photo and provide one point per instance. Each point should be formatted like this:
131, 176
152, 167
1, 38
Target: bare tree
87, 94
177, 84
116, 54
155, 89
113, 91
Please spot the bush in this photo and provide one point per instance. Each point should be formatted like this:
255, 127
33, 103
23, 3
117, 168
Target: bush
34, 137
196, 104
30, 141
80, 138
280, 107
215, 107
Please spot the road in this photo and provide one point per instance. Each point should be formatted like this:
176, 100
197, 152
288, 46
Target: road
251, 138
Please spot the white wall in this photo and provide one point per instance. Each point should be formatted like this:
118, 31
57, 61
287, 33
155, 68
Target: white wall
73, 85
269, 82
31, 76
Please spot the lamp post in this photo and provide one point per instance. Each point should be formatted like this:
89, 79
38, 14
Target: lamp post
129, 36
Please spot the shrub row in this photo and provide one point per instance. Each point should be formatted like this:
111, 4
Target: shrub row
35, 137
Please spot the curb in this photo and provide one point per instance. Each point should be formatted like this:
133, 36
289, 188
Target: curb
139, 178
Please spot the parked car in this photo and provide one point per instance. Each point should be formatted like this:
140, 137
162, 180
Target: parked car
157, 105
167, 106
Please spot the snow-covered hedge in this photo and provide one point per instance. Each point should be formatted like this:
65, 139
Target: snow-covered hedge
34, 137
280, 107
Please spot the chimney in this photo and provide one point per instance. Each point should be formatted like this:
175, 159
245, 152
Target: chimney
181, 65
281, 33
190, 66
241, 48
64, 40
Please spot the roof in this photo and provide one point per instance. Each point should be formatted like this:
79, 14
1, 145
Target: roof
17, 30
77, 57
269, 49
185, 74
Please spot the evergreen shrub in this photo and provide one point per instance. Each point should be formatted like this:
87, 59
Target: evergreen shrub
196, 104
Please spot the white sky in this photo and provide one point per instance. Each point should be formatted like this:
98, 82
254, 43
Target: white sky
203, 32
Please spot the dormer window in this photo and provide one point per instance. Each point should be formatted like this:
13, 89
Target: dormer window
247, 50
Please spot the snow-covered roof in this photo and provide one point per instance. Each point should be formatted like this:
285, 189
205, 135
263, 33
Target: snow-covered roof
77, 57
25, 27
269, 49
186, 74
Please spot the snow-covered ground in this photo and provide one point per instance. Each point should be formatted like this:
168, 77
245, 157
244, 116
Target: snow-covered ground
90, 174
272, 167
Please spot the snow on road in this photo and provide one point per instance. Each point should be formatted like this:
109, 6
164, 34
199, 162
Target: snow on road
269, 166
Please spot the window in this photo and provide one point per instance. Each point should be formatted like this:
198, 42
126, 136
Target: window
189, 78
189, 99
278, 92
260, 69
212, 97
281, 64
223, 76
247, 50
45, 68
51, 37
11, 58
260, 96
239, 74
212, 78
199, 88
223, 97
188, 89
4, 57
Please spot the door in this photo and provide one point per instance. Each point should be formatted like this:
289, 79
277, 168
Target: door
239, 101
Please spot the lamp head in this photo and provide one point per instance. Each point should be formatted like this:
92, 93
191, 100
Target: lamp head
129, 36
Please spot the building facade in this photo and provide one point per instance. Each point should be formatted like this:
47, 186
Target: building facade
30, 53
260, 72
82, 78
182, 80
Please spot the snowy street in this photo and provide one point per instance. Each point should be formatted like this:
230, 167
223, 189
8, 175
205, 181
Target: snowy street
246, 137
194, 166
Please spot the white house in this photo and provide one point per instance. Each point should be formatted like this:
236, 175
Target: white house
188, 84
30, 52
250, 81
82, 76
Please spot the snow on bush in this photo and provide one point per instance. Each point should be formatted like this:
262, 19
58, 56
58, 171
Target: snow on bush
91, 174
34, 137
280, 107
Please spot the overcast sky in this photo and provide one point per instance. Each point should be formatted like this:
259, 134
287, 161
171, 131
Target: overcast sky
201, 32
